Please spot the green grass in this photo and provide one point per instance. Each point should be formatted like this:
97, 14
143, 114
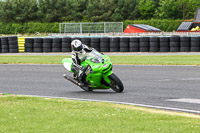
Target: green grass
132, 59
33, 115
31, 59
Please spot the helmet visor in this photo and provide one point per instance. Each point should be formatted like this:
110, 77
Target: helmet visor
79, 48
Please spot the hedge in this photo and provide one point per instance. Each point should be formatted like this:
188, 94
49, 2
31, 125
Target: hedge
31, 27
34, 27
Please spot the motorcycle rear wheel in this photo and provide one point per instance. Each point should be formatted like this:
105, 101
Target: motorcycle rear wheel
116, 83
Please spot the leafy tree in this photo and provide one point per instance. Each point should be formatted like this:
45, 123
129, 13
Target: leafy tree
188, 8
18, 10
25, 11
125, 9
22, 11
99, 10
156, 3
146, 8
6, 12
75, 10
168, 10
49, 10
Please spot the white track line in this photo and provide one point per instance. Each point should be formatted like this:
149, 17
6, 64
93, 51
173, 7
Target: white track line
125, 103
185, 100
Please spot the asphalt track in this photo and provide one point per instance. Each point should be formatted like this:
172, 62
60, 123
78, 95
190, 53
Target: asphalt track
166, 87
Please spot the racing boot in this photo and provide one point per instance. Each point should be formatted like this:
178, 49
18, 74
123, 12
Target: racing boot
82, 75
81, 78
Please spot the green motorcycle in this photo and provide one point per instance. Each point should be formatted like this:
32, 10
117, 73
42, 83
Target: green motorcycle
98, 73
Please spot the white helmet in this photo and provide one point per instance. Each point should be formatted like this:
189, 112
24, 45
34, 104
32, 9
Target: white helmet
77, 45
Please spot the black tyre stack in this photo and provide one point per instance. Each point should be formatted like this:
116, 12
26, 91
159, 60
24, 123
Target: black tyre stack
114, 44
47, 45
95, 43
164, 44
195, 44
104, 44
185, 44
144, 44
86, 41
154, 45
57, 45
124, 44
4, 45
134, 44
38, 45
29, 44
13, 44
175, 44
66, 44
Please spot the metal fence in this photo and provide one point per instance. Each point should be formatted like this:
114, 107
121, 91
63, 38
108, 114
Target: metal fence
96, 27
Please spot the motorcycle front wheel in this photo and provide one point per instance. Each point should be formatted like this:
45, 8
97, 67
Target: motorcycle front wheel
86, 88
116, 83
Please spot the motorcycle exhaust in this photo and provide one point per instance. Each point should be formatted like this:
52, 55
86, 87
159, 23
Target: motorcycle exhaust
71, 79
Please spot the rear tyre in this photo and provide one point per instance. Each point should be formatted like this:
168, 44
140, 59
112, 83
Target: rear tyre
116, 83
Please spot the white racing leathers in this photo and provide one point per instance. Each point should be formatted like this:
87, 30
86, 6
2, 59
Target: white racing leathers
77, 58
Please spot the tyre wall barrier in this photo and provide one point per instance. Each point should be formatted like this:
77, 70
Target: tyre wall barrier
21, 41
14, 44
9, 44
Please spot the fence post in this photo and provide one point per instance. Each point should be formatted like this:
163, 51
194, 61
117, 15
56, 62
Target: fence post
60, 27
81, 28
65, 29
122, 26
104, 27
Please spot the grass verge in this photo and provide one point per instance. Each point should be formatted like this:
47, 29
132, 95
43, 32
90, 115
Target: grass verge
132, 59
31, 114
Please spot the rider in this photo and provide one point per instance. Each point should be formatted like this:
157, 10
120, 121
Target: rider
78, 55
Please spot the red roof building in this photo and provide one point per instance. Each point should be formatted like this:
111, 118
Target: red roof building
140, 28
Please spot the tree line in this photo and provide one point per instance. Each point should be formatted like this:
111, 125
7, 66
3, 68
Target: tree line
21, 11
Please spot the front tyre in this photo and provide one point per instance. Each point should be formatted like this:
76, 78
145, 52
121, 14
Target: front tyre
86, 88
116, 83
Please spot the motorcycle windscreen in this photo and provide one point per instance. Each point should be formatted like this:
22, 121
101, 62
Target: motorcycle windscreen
67, 63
